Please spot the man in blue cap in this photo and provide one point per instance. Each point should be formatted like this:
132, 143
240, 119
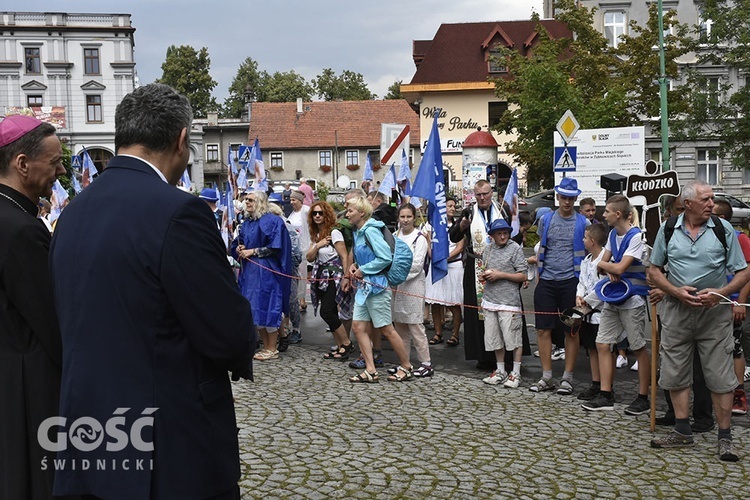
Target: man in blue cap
211, 198
561, 252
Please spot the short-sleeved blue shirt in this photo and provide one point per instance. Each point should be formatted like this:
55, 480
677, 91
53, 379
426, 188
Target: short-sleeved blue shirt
701, 263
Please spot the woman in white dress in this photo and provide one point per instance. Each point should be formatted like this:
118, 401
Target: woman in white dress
298, 219
408, 301
449, 291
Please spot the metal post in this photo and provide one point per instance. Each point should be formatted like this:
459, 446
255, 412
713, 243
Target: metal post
663, 93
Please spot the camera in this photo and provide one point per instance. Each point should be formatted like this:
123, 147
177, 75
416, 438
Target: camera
466, 212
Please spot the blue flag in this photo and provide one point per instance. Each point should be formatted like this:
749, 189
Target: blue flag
389, 182
256, 163
185, 179
367, 175
429, 185
404, 175
511, 198
231, 163
88, 170
242, 179
74, 180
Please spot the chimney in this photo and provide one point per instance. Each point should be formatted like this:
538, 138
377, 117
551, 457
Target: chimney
299, 106
213, 118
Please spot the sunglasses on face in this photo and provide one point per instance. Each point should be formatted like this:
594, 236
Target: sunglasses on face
317, 212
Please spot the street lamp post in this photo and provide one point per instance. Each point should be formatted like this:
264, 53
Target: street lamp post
663, 92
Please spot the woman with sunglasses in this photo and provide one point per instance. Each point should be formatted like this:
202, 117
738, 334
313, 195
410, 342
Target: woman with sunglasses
329, 259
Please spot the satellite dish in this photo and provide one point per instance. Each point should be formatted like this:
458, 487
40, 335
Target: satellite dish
343, 182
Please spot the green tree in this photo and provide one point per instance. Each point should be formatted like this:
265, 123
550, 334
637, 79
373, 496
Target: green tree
285, 86
349, 86
247, 78
601, 85
187, 70
716, 109
394, 91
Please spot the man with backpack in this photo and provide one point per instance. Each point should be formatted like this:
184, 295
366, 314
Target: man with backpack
692, 316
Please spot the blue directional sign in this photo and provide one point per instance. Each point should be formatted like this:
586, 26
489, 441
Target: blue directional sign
565, 158
75, 161
244, 155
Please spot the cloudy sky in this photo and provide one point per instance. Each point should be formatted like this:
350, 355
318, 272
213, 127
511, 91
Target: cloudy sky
373, 38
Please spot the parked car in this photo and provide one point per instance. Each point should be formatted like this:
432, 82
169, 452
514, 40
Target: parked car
740, 209
532, 203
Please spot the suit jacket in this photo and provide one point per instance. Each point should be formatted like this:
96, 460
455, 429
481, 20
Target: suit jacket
30, 348
151, 318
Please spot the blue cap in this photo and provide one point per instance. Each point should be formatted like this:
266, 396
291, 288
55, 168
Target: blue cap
614, 292
540, 212
208, 194
568, 187
499, 225
276, 198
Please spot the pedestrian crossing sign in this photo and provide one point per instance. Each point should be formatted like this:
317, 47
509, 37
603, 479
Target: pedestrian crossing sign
244, 155
565, 159
75, 161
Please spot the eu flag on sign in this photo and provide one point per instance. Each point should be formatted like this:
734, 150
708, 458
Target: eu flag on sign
429, 186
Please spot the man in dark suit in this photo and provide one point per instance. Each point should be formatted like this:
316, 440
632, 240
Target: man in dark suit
30, 348
152, 320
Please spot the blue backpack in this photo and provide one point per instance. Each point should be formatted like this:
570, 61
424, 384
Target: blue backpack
401, 258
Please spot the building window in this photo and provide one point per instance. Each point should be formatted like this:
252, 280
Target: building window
33, 61
352, 158
615, 24
277, 159
91, 61
34, 101
374, 155
705, 26
94, 108
235, 149
707, 166
495, 111
212, 152
325, 158
496, 64
711, 87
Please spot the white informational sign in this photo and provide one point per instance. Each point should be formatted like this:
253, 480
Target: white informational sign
604, 151
448, 145
472, 173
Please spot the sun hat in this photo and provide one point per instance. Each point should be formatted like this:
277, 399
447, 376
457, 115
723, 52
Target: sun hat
568, 187
540, 212
498, 225
14, 127
573, 316
208, 194
614, 292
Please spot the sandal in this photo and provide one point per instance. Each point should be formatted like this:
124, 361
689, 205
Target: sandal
452, 342
341, 353
424, 371
402, 374
365, 378
437, 339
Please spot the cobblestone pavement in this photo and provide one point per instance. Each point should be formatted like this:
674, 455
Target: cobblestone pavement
306, 432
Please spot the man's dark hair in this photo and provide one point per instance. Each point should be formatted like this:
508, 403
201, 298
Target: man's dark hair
29, 145
587, 201
723, 209
524, 218
151, 116
380, 196
598, 233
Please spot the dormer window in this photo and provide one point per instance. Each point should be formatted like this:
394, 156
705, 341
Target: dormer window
496, 62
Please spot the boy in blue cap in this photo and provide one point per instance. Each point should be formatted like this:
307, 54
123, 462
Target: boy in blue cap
504, 272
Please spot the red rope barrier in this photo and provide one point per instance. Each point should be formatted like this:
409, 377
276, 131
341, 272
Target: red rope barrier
523, 311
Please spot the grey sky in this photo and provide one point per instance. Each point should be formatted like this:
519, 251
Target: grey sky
373, 38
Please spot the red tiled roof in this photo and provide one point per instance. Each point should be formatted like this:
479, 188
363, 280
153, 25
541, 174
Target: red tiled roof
351, 124
457, 54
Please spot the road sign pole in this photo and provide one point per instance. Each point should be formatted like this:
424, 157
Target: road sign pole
663, 93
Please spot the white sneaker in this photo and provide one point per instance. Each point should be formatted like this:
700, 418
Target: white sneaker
513, 380
634, 367
536, 353
621, 361
747, 374
558, 353
496, 378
